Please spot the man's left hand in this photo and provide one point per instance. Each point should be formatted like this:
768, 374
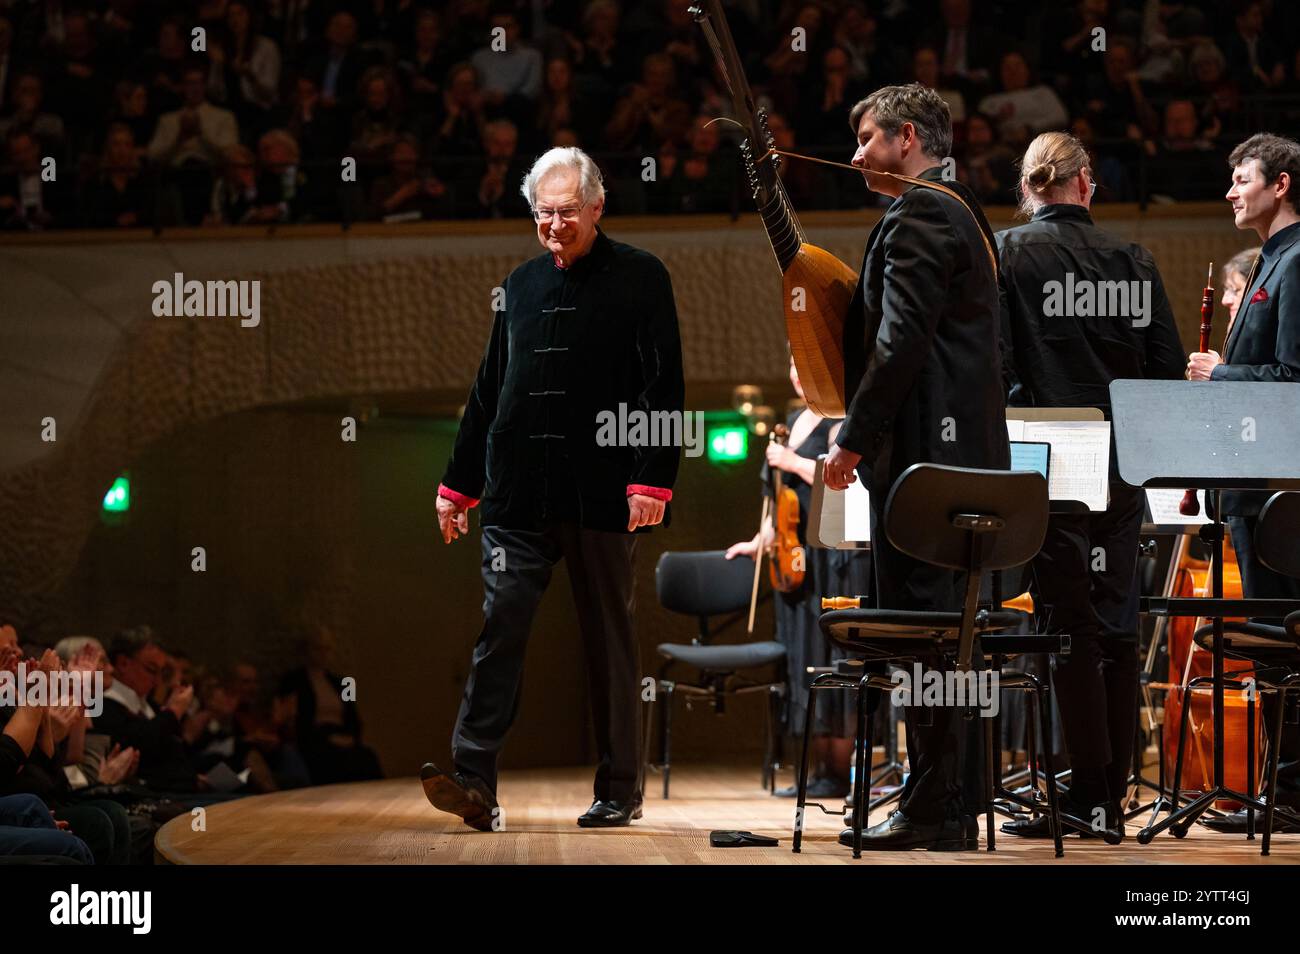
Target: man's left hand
1200, 364
840, 467
644, 511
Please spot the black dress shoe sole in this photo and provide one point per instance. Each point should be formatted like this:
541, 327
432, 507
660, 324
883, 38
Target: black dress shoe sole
446, 795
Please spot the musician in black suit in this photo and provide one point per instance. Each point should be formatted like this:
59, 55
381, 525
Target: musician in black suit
1263, 344
923, 375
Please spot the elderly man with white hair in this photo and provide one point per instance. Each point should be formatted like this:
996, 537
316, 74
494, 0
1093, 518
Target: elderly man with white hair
585, 330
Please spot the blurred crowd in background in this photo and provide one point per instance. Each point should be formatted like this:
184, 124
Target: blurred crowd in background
444, 105
87, 778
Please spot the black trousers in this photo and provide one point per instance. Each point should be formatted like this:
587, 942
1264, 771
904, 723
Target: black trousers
1085, 585
1259, 582
945, 748
517, 568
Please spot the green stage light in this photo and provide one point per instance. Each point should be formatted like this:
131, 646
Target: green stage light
728, 444
118, 498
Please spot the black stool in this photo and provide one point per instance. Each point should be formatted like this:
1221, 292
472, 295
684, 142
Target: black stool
962, 519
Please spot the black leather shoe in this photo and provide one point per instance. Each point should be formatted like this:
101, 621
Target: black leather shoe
899, 833
821, 787
1235, 823
610, 814
1040, 826
459, 794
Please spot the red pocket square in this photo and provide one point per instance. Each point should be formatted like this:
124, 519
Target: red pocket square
1260, 295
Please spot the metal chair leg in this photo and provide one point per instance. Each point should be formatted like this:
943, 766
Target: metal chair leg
1053, 802
668, 737
860, 743
1274, 757
1250, 764
1031, 740
989, 836
801, 800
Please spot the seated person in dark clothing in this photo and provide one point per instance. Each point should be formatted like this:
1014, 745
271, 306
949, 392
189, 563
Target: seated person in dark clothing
118, 196
28, 199
129, 720
33, 749
376, 124
267, 729
494, 192
281, 172
406, 191
698, 175
327, 725
243, 197
1185, 164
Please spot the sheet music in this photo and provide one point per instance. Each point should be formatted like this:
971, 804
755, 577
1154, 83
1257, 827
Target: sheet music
857, 512
1080, 458
839, 519
1163, 503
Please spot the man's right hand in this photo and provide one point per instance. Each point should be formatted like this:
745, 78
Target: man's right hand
453, 520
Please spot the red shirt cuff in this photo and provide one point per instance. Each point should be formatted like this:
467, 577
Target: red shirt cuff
459, 499
659, 493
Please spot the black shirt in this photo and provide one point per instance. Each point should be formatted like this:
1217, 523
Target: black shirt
571, 343
1064, 339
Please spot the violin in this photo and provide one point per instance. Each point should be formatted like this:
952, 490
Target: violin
786, 569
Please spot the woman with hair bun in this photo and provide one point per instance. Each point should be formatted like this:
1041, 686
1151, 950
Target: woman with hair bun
1080, 308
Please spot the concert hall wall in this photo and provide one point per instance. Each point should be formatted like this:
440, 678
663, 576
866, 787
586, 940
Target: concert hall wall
232, 437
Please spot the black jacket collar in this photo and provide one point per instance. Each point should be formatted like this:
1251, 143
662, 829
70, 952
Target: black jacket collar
1063, 212
600, 250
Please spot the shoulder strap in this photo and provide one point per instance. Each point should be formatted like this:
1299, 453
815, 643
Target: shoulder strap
926, 183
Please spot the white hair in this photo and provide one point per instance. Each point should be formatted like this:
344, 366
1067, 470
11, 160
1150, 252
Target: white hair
69, 646
564, 157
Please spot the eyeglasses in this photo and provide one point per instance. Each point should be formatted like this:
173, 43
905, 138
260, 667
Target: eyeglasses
1092, 188
568, 215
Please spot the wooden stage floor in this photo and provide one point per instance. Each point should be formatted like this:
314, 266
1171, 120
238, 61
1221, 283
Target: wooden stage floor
389, 822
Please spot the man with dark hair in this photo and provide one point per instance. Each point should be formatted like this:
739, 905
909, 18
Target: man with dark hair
922, 374
1262, 343
129, 720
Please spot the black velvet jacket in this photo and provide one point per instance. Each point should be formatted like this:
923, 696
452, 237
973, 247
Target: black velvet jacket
921, 350
570, 344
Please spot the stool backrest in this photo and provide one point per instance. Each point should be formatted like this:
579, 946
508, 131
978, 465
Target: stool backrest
703, 582
924, 499
1277, 534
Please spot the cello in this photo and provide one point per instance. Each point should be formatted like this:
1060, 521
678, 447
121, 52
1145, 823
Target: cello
1188, 661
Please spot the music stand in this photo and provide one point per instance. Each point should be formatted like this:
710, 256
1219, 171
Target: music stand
1216, 435
1162, 520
